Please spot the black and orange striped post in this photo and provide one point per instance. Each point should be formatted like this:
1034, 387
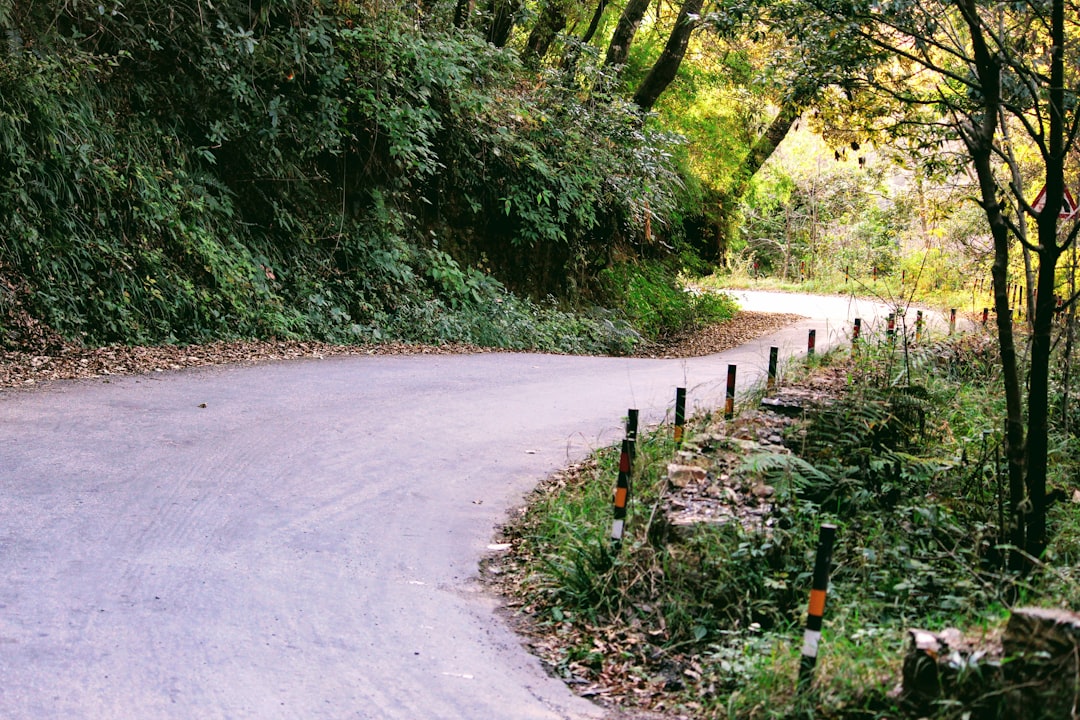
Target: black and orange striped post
811, 343
812, 634
774, 355
918, 326
680, 415
890, 328
622, 496
986, 316
856, 331
729, 396
631, 432
952, 321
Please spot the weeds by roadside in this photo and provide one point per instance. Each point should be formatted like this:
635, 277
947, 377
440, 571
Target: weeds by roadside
704, 618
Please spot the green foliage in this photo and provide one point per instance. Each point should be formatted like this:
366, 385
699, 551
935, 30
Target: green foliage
280, 169
657, 303
907, 471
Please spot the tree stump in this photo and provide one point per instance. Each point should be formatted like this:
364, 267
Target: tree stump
1042, 674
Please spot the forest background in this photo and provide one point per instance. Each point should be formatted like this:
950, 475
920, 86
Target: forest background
502, 173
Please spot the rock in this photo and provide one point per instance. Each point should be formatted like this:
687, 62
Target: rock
762, 491
1042, 646
949, 666
681, 475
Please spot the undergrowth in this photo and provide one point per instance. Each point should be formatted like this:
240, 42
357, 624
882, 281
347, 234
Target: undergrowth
905, 459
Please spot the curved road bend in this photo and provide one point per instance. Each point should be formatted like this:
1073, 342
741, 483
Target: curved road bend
300, 539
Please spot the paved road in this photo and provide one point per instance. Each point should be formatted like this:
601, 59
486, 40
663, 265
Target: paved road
300, 539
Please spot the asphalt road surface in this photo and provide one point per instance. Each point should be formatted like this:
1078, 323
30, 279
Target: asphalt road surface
301, 539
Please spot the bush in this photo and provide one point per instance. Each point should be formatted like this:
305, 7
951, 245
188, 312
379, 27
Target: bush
658, 303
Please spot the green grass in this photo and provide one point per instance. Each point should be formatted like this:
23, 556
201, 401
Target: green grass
708, 622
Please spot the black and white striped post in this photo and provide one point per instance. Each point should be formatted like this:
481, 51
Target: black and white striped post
680, 415
812, 634
811, 343
729, 396
631, 432
622, 496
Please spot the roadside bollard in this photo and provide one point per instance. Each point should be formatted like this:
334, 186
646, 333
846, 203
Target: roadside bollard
986, 316
811, 343
952, 321
918, 327
622, 496
729, 400
812, 634
856, 331
890, 328
680, 415
631, 432
770, 384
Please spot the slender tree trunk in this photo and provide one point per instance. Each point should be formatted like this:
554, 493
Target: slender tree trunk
619, 47
1049, 252
551, 22
667, 65
595, 23
500, 21
763, 148
979, 139
462, 11
1070, 337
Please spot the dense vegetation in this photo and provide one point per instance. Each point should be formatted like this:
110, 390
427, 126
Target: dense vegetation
905, 456
347, 171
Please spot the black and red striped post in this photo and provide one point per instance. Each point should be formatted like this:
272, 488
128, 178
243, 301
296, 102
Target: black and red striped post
729, 397
814, 616
631, 432
811, 343
890, 328
856, 331
774, 354
875, 273
622, 496
680, 415
986, 316
952, 321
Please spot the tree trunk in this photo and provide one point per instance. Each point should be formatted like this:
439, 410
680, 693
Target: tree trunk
979, 139
595, 24
551, 22
1049, 251
619, 47
462, 10
500, 21
663, 71
762, 149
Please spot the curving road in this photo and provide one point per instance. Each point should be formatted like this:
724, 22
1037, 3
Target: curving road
300, 539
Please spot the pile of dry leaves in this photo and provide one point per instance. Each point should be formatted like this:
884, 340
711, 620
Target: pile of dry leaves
54, 359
